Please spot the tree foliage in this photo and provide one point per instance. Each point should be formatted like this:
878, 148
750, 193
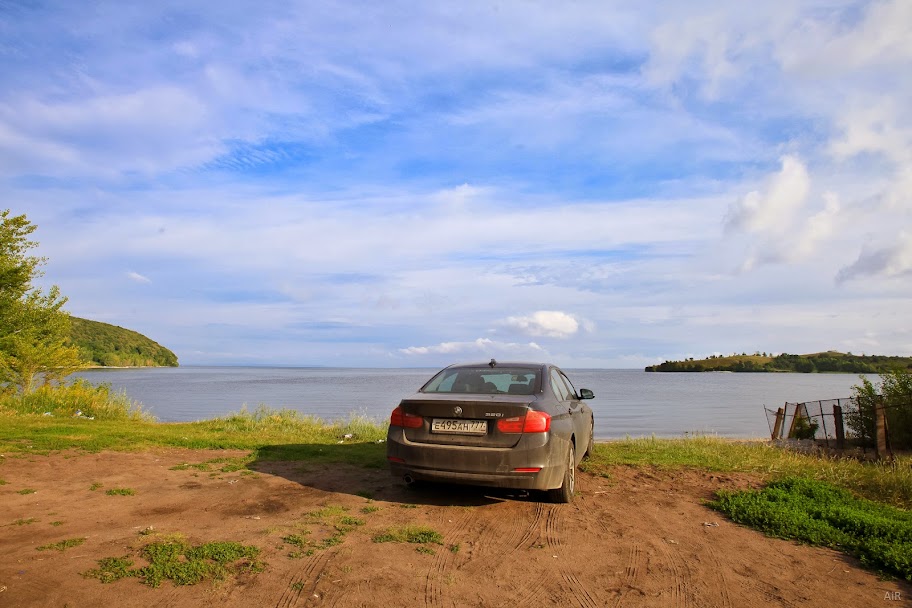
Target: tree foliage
34, 329
894, 394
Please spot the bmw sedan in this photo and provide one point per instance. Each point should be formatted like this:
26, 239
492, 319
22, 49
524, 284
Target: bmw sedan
508, 425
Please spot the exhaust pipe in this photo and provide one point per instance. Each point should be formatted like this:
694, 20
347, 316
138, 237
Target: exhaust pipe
409, 480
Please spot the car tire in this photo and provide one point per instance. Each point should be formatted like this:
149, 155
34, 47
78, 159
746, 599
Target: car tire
588, 451
564, 494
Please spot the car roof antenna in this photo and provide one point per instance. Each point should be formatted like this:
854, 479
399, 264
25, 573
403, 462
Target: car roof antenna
492, 363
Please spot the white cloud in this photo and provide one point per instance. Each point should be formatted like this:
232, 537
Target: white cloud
549, 323
772, 211
484, 346
135, 276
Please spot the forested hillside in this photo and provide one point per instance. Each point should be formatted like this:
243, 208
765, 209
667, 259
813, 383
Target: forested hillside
113, 346
830, 361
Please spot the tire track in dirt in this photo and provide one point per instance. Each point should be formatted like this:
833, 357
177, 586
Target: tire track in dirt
723, 580
680, 572
444, 560
554, 532
304, 574
631, 574
521, 528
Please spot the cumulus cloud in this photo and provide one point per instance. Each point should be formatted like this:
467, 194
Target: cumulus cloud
548, 323
481, 345
771, 211
889, 261
784, 222
135, 276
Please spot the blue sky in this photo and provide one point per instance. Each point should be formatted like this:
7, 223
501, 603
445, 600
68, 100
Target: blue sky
599, 184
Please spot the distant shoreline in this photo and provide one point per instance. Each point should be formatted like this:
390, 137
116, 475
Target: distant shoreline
831, 362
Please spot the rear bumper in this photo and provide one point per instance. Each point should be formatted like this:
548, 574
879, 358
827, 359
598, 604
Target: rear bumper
480, 466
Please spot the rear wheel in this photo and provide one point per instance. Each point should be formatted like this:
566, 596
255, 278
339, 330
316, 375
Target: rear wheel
564, 494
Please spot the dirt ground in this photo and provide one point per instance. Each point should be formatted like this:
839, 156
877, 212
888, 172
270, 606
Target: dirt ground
639, 538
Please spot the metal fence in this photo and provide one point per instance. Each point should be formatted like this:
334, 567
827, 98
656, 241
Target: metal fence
845, 423
827, 415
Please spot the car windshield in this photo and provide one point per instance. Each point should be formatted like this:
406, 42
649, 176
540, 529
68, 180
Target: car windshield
485, 380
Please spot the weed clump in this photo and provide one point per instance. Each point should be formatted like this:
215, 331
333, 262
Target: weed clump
181, 563
409, 534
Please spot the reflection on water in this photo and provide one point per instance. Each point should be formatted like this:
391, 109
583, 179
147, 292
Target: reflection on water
627, 402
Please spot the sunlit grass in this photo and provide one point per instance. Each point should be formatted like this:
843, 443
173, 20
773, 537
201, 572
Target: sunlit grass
80, 399
885, 482
274, 434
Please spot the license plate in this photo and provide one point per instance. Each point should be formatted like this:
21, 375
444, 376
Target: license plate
459, 427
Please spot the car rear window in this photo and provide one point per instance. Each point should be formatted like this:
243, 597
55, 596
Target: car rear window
485, 380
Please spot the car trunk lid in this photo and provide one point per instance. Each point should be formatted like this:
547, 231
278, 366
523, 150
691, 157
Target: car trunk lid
469, 420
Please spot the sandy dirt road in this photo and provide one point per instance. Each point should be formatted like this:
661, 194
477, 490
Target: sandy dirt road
639, 538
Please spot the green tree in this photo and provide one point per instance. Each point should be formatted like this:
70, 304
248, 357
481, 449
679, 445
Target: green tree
34, 329
895, 395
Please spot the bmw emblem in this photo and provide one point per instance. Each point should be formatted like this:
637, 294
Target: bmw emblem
457, 411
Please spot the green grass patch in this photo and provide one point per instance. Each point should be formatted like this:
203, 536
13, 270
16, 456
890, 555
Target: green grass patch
889, 483
370, 509
350, 521
330, 511
25, 491
425, 549
62, 545
269, 433
819, 513
56, 523
176, 560
335, 526
409, 534
3, 482
95, 486
111, 569
120, 492
24, 522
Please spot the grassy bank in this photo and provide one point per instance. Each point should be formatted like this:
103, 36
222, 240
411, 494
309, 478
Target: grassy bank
84, 417
95, 418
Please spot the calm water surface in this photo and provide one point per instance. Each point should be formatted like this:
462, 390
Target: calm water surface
627, 402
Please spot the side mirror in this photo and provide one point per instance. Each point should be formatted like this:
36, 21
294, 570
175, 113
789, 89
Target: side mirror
585, 393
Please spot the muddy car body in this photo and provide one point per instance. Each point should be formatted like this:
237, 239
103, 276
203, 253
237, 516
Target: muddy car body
510, 425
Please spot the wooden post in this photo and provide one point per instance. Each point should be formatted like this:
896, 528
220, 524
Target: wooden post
826, 439
880, 430
777, 428
840, 429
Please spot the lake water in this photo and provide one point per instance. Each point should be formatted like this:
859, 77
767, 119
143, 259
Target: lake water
627, 402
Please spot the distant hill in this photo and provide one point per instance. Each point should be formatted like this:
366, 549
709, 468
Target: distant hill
829, 361
113, 346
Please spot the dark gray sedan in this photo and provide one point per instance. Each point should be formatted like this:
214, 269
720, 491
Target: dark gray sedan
508, 425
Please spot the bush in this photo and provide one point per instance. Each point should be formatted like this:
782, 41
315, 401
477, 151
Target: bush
821, 514
895, 394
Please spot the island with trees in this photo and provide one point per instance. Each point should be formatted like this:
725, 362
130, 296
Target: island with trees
829, 361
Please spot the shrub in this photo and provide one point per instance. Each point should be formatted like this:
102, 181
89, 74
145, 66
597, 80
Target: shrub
895, 395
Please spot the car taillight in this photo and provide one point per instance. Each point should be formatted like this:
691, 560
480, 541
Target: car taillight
405, 420
533, 422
